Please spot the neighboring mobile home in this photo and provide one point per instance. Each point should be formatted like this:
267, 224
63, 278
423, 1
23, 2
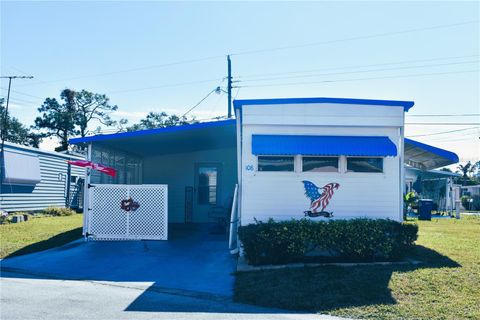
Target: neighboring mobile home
33, 179
318, 158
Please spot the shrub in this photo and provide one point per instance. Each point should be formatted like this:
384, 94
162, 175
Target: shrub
465, 202
342, 240
56, 211
476, 202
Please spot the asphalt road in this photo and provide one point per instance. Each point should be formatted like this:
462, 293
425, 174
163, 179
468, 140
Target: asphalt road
25, 297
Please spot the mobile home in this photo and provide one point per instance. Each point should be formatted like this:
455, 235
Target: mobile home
33, 179
319, 158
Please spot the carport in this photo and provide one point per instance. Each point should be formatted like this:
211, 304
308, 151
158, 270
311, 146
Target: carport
193, 167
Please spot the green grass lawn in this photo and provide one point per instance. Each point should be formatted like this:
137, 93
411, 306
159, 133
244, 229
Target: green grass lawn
39, 233
445, 286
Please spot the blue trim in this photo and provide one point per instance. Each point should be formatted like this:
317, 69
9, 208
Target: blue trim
323, 145
201, 125
405, 104
440, 152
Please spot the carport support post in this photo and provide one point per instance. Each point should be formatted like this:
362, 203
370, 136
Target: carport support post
457, 208
86, 193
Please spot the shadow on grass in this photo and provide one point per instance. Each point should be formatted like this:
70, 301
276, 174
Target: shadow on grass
326, 288
55, 241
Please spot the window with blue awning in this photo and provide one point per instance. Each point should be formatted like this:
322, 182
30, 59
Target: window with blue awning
373, 146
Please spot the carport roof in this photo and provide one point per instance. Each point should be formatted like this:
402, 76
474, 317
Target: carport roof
427, 157
177, 139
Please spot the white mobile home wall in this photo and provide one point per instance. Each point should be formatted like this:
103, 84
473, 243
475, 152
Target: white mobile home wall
178, 171
50, 191
280, 195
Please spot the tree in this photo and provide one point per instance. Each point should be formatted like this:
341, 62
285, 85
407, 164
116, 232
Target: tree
92, 106
58, 119
160, 120
465, 170
17, 132
73, 115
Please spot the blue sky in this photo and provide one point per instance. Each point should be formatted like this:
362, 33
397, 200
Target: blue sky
427, 52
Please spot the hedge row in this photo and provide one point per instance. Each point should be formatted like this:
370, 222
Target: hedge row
342, 240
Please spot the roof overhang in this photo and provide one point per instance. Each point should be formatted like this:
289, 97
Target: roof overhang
426, 157
367, 102
178, 139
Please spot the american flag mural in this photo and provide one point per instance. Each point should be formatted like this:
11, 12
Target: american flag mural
319, 197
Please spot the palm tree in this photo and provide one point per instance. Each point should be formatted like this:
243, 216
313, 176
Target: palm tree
465, 170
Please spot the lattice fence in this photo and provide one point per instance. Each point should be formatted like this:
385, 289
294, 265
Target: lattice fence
128, 212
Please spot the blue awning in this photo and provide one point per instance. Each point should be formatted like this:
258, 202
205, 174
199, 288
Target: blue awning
323, 145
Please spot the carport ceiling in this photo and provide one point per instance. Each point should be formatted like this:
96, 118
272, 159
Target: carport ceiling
183, 139
427, 157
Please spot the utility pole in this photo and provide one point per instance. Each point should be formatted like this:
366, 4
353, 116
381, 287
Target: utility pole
4, 129
229, 86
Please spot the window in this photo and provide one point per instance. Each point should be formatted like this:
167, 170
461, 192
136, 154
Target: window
275, 163
320, 164
207, 185
364, 164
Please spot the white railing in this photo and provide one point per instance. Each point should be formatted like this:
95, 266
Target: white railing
233, 241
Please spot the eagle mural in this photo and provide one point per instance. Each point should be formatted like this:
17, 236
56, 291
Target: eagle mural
319, 197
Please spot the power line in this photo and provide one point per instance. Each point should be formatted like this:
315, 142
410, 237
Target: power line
356, 79
264, 50
199, 102
167, 85
444, 123
360, 71
445, 115
134, 69
378, 35
443, 132
357, 66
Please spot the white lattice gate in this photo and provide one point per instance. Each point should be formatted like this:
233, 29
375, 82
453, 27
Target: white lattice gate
127, 212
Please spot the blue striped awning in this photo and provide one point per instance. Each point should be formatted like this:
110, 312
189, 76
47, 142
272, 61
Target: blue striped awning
323, 145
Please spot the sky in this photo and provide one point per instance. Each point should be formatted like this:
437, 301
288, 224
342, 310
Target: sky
167, 56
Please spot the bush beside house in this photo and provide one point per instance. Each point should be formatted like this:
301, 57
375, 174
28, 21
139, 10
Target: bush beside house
360, 239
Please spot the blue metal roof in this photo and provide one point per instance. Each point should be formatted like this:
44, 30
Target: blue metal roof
427, 156
103, 137
405, 104
323, 145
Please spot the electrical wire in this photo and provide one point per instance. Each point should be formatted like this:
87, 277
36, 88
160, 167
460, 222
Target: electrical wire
443, 123
360, 71
357, 66
198, 103
445, 115
132, 69
443, 132
180, 84
372, 36
355, 79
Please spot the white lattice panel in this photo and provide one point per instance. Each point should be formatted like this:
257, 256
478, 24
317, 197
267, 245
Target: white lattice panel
107, 220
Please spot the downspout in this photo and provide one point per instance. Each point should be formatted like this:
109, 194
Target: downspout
402, 165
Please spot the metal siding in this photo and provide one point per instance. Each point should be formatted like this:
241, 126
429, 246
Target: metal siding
280, 195
49, 192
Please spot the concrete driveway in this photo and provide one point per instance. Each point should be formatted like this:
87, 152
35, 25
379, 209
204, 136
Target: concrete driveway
188, 277
192, 259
